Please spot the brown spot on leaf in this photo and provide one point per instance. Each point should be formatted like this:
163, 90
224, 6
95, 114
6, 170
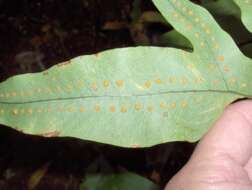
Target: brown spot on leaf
29, 111
147, 84
106, 83
94, 86
226, 68
45, 73
221, 58
189, 26
82, 109
184, 104
97, 108
150, 108
15, 111
162, 105
135, 146
138, 107
63, 64
165, 114
173, 105
112, 108
51, 134
123, 109
19, 130
158, 81
119, 83
216, 81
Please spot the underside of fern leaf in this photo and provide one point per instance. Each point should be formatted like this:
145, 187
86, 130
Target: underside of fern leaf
135, 97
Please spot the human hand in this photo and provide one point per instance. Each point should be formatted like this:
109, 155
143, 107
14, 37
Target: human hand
223, 158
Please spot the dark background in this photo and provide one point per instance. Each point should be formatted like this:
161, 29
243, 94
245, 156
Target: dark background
36, 34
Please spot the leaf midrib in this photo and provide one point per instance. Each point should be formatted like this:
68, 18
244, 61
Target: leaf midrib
130, 96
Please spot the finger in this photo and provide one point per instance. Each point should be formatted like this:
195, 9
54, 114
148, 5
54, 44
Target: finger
231, 135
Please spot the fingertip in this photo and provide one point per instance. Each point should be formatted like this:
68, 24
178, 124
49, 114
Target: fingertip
243, 107
231, 134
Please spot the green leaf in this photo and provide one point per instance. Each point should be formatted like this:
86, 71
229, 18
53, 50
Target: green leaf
120, 181
135, 97
228, 14
174, 39
246, 7
221, 7
247, 49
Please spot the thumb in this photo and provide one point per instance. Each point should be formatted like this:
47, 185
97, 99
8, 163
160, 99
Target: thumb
222, 154
231, 135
